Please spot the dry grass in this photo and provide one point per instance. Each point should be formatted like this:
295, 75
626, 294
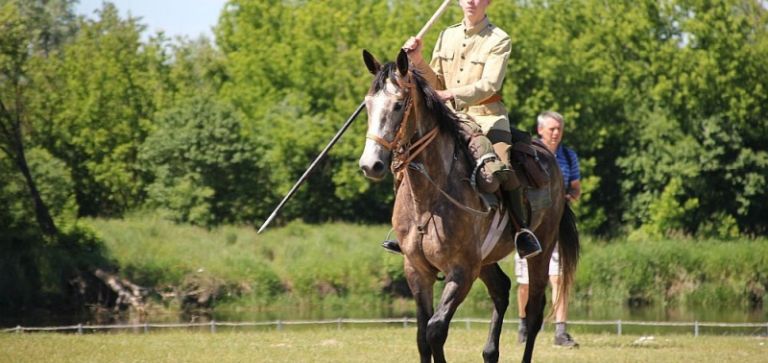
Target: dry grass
394, 345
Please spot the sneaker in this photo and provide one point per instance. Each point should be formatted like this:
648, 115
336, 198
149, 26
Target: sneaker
392, 246
565, 340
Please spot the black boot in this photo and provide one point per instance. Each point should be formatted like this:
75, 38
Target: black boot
391, 245
526, 243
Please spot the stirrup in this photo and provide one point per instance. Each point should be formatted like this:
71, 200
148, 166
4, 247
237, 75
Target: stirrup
392, 246
527, 251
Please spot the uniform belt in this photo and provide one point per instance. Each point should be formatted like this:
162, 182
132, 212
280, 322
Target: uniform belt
495, 98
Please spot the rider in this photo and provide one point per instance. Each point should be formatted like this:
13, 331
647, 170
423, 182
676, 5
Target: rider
467, 70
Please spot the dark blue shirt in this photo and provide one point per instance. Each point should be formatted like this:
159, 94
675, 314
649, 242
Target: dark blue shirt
569, 164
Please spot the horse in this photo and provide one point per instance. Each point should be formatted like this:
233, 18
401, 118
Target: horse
439, 219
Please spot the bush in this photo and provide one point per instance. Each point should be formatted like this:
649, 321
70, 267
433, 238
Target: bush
673, 272
203, 171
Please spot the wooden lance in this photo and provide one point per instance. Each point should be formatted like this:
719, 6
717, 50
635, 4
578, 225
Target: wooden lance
344, 127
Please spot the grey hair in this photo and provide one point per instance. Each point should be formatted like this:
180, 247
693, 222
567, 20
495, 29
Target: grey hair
549, 114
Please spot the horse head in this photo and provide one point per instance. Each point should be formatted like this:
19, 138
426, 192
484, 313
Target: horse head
387, 103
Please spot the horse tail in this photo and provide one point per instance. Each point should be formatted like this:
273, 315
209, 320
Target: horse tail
569, 250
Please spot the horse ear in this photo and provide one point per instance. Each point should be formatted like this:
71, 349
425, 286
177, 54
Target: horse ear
370, 61
402, 63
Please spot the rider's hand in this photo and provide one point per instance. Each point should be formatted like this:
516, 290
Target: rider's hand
445, 95
413, 48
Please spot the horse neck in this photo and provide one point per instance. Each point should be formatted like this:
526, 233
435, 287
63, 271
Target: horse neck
437, 158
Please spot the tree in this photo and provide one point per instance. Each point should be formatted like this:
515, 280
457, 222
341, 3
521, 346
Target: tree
108, 82
203, 169
706, 78
295, 74
15, 53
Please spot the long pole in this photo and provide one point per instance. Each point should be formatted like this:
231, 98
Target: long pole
433, 19
344, 127
312, 166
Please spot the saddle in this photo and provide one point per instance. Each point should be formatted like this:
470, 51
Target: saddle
527, 161
526, 153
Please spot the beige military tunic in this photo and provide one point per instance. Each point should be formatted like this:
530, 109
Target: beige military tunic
471, 62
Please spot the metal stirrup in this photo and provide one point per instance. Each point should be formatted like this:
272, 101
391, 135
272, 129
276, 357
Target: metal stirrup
528, 231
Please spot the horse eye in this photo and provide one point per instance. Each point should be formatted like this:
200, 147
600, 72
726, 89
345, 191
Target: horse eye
398, 106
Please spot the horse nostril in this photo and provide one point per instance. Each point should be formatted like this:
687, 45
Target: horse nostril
378, 167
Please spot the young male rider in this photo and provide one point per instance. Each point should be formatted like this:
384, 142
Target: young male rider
467, 71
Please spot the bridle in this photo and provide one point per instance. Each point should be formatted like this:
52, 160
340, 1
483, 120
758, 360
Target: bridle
403, 149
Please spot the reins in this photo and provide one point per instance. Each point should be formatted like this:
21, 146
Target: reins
405, 153
480, 213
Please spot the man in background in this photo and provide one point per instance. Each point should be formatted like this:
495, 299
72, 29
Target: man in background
550, 128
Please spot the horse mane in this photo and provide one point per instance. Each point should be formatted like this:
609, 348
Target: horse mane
447, 120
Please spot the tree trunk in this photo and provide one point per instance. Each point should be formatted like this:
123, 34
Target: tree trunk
14, 147
42, 213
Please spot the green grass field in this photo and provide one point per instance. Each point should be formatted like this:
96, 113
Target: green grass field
363, 345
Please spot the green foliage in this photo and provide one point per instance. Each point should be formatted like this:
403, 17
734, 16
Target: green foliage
673, 272
296, 66
652, 93
665, 103
298, 262
53, 182
35, 273
341, 262
105, 79
589, 213
644, 87
204, 170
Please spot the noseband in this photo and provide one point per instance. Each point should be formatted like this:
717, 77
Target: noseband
401, 146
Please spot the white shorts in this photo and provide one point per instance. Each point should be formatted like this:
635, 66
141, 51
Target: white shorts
521, 267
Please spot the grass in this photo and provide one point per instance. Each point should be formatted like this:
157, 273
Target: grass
300, 262
363, 345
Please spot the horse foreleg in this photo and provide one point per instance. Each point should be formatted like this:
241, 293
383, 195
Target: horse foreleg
538, 271
498, 285
423, 314
421, 286
457, 287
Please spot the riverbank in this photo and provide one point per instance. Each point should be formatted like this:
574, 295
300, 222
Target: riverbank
339, 262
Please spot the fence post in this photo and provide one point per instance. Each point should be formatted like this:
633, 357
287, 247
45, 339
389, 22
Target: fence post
80, 328
18, 329
468, 323
695, 328
279, 325
405, 322
338, 324
213, 325
618, 327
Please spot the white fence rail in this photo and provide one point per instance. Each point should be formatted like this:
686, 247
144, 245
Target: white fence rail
759, 328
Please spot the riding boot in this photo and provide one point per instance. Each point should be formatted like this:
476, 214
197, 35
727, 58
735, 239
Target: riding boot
526, 243
489, 171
